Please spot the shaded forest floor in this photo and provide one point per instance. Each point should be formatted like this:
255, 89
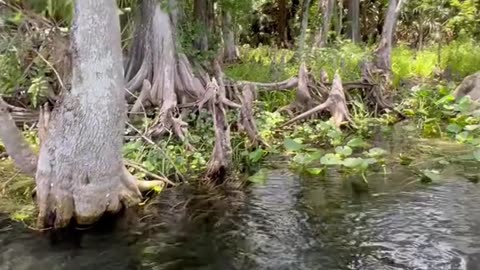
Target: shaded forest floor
422, 86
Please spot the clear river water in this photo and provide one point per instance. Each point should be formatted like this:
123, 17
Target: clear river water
290, 222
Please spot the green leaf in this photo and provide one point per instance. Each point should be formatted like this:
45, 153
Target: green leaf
260, 177
314, 171
353, 162
300, 159
445, 99
376, 152
428, 176
331, 159
256, 155
157, 189
476, 154
462, 136
471, 127
292, 145
454, 128
344, 151
356, 142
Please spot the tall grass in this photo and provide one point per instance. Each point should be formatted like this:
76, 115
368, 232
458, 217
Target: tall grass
266, 64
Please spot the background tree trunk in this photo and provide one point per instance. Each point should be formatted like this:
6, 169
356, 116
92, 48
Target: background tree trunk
230, 50
282, 23
80, 172
322, 34
201, 13
303, 33
353, 29
338, 20
383, 54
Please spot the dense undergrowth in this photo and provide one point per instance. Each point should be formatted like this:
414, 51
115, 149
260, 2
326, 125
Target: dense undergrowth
423, 82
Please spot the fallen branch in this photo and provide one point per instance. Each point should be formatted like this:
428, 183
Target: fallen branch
283, 85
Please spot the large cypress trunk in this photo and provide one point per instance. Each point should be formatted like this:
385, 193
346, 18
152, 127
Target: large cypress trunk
80, 172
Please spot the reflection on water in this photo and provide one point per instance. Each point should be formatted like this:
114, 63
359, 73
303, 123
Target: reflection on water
288, 223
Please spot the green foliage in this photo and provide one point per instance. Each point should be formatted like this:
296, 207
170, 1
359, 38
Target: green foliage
462, 57
59, 11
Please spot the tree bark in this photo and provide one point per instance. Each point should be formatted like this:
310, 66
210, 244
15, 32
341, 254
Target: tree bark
383, 54
322, 35
230, 50
80, 171
353, 29
201, 10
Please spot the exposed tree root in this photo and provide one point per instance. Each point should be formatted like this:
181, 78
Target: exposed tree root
247, 121
14, 142
59, 200
220, 161
378, 81
336, 104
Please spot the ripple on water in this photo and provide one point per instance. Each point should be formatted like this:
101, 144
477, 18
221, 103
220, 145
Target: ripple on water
292, 223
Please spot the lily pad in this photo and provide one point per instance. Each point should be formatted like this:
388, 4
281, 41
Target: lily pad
355, 163
356, 143
331, 159
344, 150
376, 152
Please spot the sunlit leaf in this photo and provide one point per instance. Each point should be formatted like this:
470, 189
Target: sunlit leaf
376, 152
331, 159
353, 162
471, 127
344, 151
314, 171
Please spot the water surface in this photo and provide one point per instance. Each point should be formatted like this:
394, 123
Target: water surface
290, 222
